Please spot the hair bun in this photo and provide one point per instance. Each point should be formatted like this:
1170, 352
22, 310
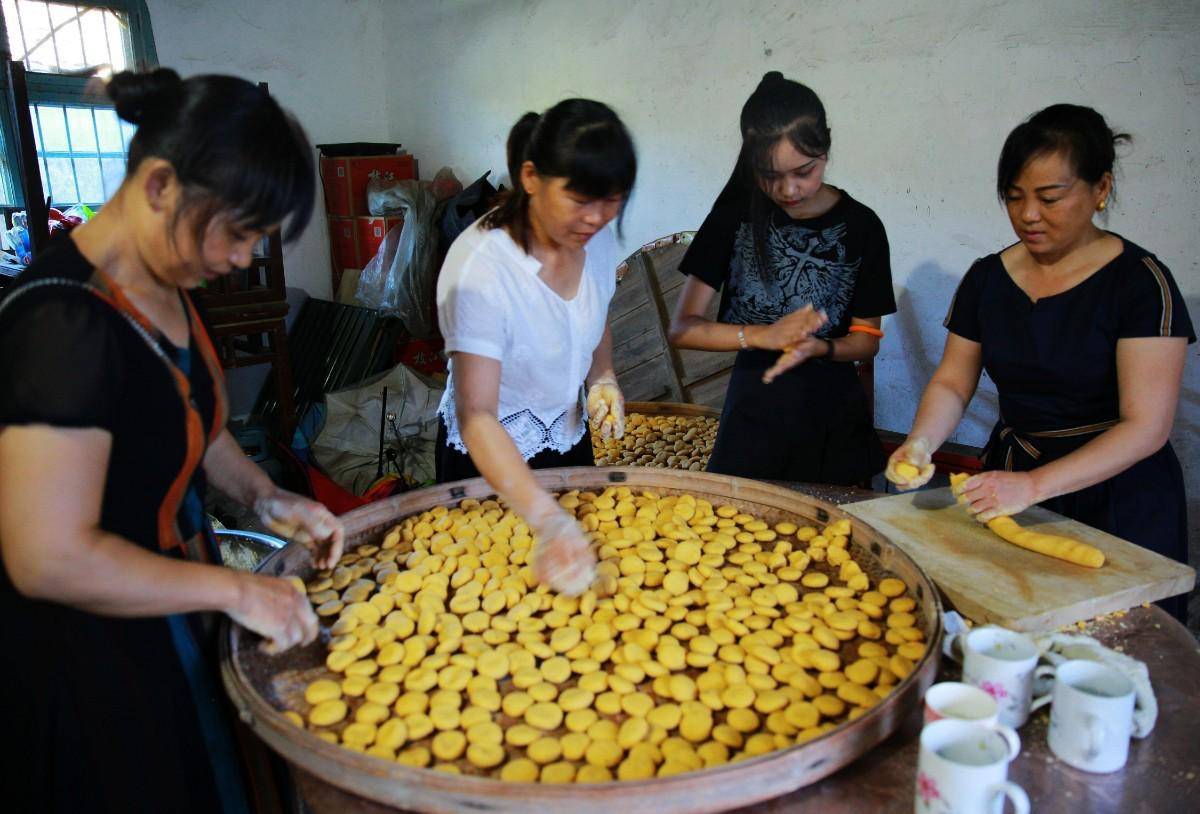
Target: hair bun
771, 78
142, 96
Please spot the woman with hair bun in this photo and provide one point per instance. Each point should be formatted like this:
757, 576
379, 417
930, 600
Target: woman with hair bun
805, 280
523, 305
1085, 335
112, 420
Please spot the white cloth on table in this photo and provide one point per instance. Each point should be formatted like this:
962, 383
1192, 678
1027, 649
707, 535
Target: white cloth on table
1059, 647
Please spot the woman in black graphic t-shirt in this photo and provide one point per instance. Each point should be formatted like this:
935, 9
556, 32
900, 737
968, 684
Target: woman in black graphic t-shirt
805, 280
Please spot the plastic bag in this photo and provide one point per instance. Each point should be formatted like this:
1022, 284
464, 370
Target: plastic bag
399, 279
15, 241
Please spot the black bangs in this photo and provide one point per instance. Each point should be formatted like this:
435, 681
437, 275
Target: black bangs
601, 162
1080, 134
1025, 142
781, 108
809, 136
580, 140
276, 188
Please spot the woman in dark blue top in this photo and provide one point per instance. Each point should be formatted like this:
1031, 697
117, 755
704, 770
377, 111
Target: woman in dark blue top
1085, 335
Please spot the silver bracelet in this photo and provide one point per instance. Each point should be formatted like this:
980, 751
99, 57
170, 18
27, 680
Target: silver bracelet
742, 339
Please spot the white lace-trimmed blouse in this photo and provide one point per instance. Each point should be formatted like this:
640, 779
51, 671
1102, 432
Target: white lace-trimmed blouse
492, 303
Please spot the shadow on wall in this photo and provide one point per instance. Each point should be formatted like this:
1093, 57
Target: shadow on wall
921, 307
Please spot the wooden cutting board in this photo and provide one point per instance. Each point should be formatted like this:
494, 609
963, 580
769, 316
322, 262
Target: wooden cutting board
989, 580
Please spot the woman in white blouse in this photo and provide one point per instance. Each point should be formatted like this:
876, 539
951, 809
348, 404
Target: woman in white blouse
522, 303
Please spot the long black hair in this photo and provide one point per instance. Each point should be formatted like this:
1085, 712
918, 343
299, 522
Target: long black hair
233, 148
778, 109
1080, 133
578, 139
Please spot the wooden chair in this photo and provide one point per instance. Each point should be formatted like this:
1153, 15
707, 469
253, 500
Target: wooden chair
246, 315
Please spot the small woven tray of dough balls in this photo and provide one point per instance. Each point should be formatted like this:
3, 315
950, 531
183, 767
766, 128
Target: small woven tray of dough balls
659, 440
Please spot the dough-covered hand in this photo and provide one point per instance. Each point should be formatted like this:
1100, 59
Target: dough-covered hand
273, 608
305, 521
562, 556
998, 494
911, 465
606, 409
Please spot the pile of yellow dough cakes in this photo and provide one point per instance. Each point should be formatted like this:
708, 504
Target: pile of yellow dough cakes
662, 441
708, 637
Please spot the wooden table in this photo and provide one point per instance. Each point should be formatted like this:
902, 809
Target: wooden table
1162, 775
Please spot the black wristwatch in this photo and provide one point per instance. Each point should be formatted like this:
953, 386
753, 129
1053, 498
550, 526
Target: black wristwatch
828, 344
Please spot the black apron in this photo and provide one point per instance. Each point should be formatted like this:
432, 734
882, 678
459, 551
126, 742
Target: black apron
812, 424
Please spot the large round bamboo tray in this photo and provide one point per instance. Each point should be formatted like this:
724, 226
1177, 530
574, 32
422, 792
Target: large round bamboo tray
254, 680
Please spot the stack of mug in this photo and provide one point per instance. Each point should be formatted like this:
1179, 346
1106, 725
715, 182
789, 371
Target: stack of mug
970, 735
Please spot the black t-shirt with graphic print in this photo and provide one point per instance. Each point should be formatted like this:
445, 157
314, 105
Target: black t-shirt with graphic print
838, 261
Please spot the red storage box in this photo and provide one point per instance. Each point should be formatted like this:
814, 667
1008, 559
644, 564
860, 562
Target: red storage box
345, 179
424, 355
371, 232
343, 244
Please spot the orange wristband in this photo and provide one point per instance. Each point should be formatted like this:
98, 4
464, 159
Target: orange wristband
866, 329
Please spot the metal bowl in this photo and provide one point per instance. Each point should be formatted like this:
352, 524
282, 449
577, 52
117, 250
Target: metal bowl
245, 550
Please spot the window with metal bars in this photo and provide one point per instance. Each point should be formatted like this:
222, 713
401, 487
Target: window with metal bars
80, 142
81, 152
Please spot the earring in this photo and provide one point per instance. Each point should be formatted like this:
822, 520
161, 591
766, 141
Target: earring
1100, 207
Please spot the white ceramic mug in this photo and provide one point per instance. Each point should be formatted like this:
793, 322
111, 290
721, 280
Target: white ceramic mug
1091, 717
961, 702
1001, 662
963, 769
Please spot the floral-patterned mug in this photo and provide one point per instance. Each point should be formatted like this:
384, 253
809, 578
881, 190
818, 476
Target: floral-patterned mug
962, 702
963, 769
1001, 662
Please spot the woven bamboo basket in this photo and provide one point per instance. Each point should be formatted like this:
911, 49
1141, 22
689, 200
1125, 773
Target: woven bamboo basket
261, 685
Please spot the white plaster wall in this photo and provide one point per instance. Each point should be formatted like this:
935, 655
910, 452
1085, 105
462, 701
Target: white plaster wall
323, 60
920, 96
